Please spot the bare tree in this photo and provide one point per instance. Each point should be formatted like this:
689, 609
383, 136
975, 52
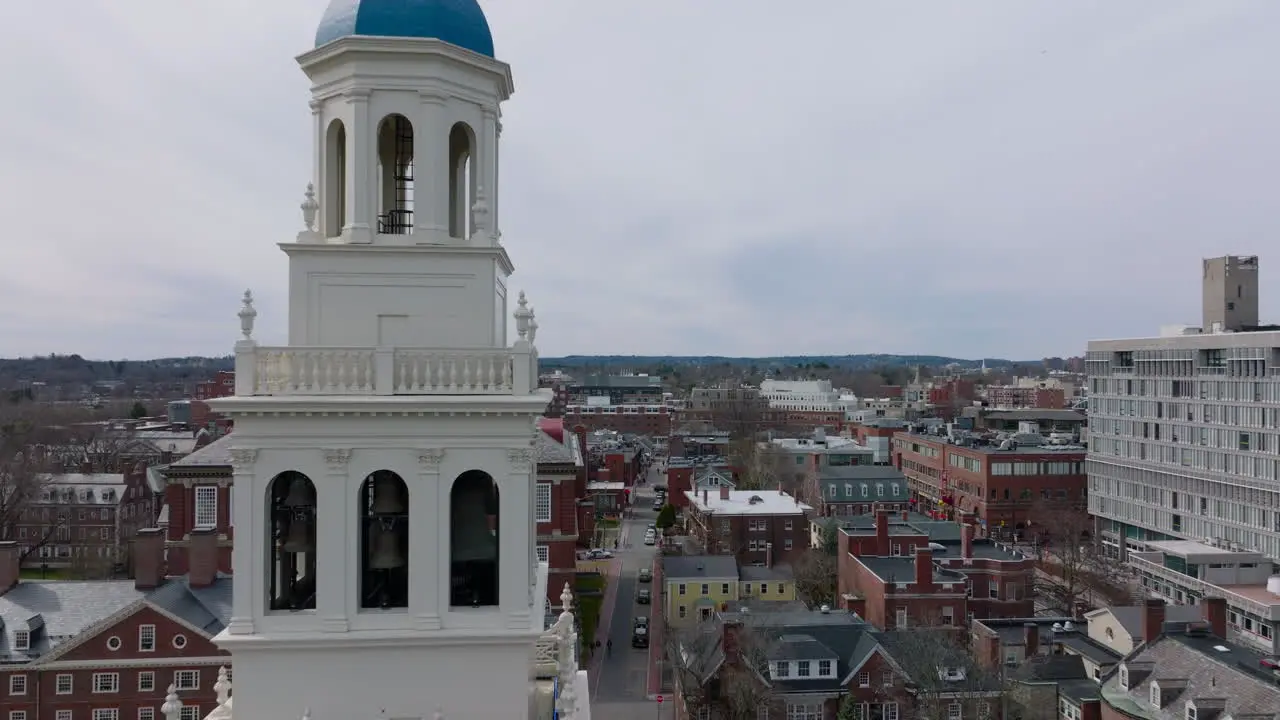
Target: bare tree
722, 664
1072, 570
941, 674
25, 436
763, 466
816, 574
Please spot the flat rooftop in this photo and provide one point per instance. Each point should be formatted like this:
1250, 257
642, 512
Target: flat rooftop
994, 450
1198, 341
748, 502
1186, 548
903, 569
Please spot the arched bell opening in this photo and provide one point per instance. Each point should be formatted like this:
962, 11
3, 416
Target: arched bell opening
395, 176
292, 565
462, 191
384, 542
335, 181
473, 540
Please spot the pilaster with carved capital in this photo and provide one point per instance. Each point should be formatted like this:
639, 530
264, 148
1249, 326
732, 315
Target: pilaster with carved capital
337, 460
429, 510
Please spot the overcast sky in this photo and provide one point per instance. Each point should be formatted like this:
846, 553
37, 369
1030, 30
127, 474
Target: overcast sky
716, 177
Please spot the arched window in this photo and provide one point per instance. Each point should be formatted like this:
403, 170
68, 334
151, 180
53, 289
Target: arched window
292, 518
462, 191
335, 182
473, 540
395, 176
384, 542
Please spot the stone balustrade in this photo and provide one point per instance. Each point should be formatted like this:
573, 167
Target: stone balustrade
262, 370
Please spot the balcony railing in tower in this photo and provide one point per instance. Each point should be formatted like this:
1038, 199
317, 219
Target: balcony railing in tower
397, 218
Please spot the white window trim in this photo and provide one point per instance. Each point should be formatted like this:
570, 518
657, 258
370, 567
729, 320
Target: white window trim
179, 674
544, 553
142, 632
543, 489
206, 495
57, 684
147, 674
16, 680
113, 679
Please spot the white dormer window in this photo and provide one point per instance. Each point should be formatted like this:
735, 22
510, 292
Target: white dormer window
1191, 712
1124, 677
879, 489
1155, 694
826, 668
802, 669
782, 669
831, 491
864, 491
22, 640
848, 489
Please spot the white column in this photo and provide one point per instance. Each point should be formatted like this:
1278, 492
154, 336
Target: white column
247, 555
487, 167
493, 191
426, 556
361, 171
431, 171
516, 517
319, 175
335, 541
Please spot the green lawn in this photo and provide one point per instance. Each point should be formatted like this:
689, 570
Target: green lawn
35, 574
589, 597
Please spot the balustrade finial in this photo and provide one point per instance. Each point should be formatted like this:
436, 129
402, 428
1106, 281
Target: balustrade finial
566, 598
533, 325
247, 314
309, 208
172, 707
522, 314
222, 688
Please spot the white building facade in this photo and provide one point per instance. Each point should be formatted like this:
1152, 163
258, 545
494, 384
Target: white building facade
384, 461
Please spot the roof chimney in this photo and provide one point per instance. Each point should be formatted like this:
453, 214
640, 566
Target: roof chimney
966, 542
148, 558
706, 496
906, 516
10, 564
924, 569
882, 532
202, 557
1031, 639
1152, 619
724, 492
1215, 613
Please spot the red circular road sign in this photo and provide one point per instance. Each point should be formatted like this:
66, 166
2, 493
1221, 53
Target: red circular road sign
659, 698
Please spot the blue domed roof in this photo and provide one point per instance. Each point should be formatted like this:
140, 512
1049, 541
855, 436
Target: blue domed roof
457, 22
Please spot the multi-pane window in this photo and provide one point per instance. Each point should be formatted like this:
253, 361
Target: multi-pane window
802, 668
106, 682
542, 503
804, 711
186, 679
955, 711
22, 640
17, 715
190, 712
864, 679
544, 553
146, 713
147, 638
63, 684
824, 668
782, 669
206, 506
889, 711
63, 715
106, 714
146, 681
17, 684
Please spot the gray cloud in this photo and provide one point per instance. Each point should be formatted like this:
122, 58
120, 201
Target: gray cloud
989, 178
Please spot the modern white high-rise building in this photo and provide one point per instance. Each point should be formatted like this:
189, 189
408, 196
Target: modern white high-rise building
384, 464
1184, 444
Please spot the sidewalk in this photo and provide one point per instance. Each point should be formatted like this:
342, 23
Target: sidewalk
653, 681
606, 620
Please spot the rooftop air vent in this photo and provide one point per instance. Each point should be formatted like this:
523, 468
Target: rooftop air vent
755, 500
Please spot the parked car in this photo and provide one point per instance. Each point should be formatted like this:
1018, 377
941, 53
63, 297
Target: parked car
657, 505
640, 632
644, 596
645, 575
650, 538
599, 554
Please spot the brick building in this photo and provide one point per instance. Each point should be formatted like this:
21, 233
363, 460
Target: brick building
199, 494
653, 420
686, 474
907, 571
1005, 488
1014, 396
558, 383
564, 517
75, 523
619, 389
108, 650
755, 526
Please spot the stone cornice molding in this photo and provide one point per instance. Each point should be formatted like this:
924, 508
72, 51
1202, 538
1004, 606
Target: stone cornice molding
357, 95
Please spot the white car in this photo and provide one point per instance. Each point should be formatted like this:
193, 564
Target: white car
650, 538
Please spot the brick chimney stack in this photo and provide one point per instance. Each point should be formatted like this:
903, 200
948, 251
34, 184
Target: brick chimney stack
202, 557
1152, 619
148, 559
882, 532
906, 516
1215, 613
966, 542
10, 564
724, 492
1031, 639
924, 569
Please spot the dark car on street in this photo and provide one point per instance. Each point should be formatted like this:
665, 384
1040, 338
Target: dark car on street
640, 632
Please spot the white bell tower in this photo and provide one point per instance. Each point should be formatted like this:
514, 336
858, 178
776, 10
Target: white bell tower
384, 467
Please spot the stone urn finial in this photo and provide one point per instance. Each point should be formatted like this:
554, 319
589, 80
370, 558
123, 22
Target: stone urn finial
310, 207
247, 314
522, 316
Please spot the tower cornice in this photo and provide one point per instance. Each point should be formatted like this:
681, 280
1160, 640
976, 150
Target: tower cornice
320, 58
498, 252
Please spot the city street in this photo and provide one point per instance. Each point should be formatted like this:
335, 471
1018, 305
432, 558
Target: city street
621, 680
